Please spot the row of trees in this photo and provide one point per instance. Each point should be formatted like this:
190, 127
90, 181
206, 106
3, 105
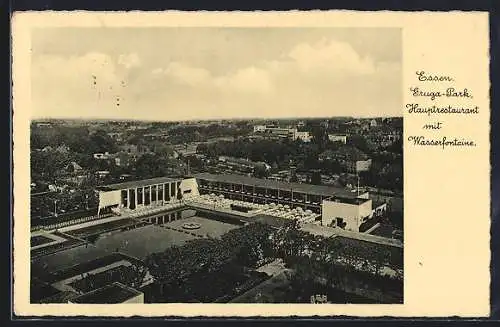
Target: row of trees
177, 266
132, 276
253, 243
279, 154
78, 139
386, 171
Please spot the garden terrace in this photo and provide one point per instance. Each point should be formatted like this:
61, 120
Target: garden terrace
91, 265
122, 274
367, 250
113, 293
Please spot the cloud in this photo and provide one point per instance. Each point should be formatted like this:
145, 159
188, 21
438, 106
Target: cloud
246, 80
306, 63
130, 60
92, 81
186, 74
330, 56
309, 79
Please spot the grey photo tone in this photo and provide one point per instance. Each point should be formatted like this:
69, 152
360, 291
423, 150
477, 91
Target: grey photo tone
216, 165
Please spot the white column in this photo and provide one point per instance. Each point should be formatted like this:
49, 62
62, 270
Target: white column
150, 195
135, 197
157, 190
128, 199
143, 196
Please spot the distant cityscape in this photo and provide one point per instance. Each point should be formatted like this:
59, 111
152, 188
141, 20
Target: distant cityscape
295, 210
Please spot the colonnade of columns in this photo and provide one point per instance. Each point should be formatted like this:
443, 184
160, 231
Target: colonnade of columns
157, 193
159, 220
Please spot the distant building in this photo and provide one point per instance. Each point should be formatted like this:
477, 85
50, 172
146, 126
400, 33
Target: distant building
259, 128
101, 156
184, 149
373, 123
135, 149
303, 136
337, 138
346, 156
241, 165
44, 125
125, 177
123, 159
273, 131
102, 173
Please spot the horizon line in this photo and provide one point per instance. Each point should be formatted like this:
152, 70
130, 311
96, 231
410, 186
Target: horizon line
211, 119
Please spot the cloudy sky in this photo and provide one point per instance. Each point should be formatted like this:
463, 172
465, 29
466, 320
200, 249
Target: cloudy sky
203, 73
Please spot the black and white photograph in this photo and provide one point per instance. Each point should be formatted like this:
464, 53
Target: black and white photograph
216, 165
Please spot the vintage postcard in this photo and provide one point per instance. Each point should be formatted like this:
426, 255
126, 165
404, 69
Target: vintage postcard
251, 164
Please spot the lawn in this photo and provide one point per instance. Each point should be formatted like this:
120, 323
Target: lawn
137, 242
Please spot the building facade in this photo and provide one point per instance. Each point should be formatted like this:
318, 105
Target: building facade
303, 136
264, 191
346, 213
337, 138
337, 206
149, 192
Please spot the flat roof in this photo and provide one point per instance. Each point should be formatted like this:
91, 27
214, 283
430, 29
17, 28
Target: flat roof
347, 200
139, 183
109, 294
323, 190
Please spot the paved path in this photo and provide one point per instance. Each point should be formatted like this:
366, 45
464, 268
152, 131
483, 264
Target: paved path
333, 232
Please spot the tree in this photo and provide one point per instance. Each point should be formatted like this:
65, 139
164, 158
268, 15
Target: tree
316, 177
359, 142
260, 171
101, 142
150, 165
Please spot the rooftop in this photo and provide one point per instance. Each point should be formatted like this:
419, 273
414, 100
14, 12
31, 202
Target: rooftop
110, 294
322, 190
347, 200
140, 183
